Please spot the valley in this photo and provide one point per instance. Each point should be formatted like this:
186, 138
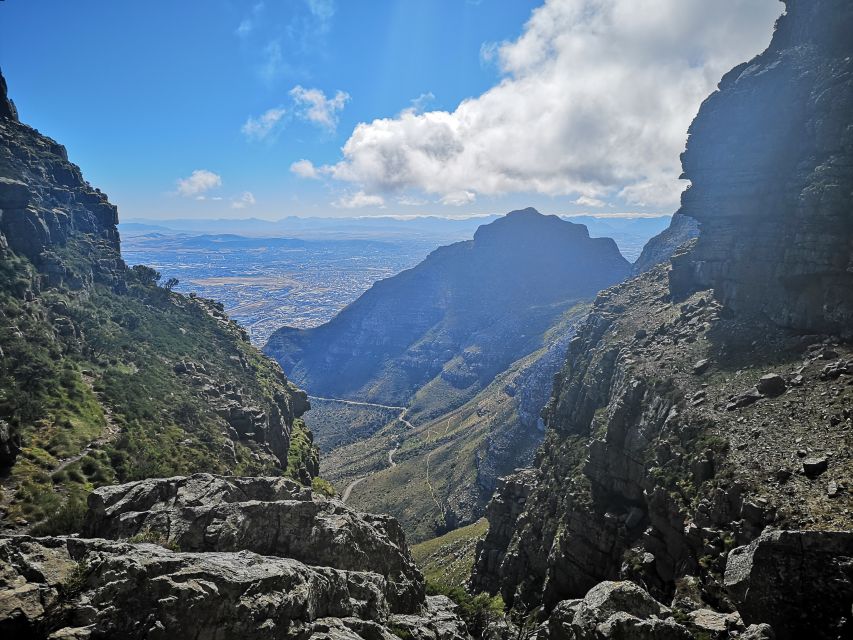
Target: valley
515, 426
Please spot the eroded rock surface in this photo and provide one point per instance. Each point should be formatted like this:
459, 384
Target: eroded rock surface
235, 557
269, 516
790, 579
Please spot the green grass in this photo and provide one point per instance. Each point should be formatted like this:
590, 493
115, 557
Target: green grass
447, 560
95, 368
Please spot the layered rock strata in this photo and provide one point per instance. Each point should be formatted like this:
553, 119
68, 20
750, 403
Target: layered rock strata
234, 557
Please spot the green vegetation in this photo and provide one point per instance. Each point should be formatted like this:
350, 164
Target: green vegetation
154, 537
323, 487
89, 390
447, 560
479, 611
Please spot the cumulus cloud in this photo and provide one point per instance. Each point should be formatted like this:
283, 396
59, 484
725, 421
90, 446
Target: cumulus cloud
198, 182
594, 99
246, 199
315, 107
265, 125
586, 201
358, 200
304, 169
458, 198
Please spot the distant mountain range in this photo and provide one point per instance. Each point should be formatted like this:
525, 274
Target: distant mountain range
630, 233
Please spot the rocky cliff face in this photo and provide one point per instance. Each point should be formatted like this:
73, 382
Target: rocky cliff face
105, 376
208, 556
663, 246
769, 159
693, 444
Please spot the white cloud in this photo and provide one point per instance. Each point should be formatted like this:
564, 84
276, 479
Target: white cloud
264, 126
359, 199
594, 99
458, 198
316, 108
304, 169
587, 201
419, 104
245, 200
199, 181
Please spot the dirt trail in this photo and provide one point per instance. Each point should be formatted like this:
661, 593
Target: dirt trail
403, 410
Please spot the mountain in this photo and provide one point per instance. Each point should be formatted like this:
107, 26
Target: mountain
661, 248
455, 320
698, 448
110, 387
467, 343
105, 376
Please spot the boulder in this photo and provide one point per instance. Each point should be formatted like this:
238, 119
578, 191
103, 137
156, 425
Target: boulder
815, 466
63, 586
269, 516
798, 582
701, 366
614, 610
771, 385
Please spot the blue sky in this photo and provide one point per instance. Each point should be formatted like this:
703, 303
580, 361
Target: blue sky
322, 107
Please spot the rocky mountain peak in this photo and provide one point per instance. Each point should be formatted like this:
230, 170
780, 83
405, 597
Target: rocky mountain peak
7, 107
517, 228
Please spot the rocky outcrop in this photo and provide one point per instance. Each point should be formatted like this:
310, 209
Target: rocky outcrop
790, 579
210, 556
614, 610
663, 246
44, 201
770, 160
689, 418
90, 588
649, 473
269, 516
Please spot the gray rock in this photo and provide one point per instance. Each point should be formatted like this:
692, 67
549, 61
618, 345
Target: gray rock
116, 589
758, 632
701, 366
744, 400
14, 194
270, 516
614, 610
815, 466
798, 582
771, 385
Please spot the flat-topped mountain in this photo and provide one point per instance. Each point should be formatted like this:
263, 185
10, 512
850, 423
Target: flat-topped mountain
455, 320
467, 342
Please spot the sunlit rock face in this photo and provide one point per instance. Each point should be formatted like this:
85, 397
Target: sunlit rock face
770, 159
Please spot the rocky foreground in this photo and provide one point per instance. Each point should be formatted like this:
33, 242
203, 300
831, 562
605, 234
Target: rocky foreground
219, 557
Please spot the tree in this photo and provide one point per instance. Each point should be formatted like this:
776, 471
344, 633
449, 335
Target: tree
170, 284
146, 275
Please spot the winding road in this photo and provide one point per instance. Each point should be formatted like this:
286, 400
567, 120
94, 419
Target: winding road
403, 410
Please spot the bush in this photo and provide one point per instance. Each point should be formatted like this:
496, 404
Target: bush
323, 487
68, 519
478, 611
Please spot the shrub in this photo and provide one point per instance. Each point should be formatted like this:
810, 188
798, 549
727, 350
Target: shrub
324, 487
